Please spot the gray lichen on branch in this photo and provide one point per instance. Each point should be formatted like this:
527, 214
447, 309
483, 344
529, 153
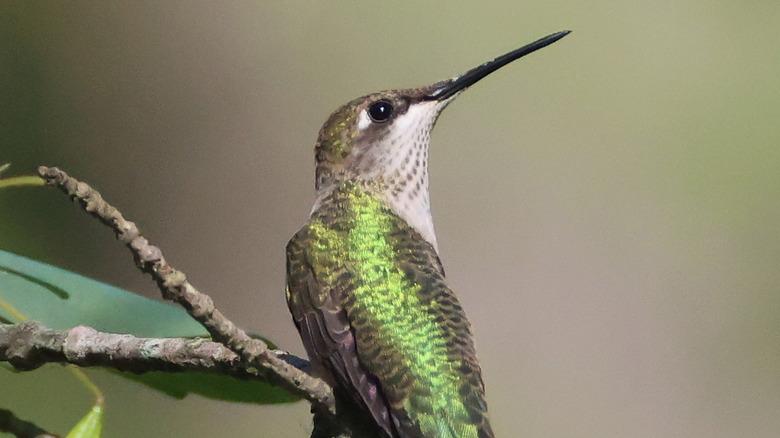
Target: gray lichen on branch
253, 353
29, 345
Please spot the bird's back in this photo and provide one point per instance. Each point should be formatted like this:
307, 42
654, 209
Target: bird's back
369, 297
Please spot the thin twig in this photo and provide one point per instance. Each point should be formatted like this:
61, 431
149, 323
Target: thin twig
78, 373
174, 286
29, 345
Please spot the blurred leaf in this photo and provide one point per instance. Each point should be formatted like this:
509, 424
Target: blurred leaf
213, 386
21, 181
61, 300
4, 167
37, 290
90, 426
52, 288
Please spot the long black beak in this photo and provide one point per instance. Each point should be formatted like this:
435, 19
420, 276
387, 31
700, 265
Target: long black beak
453, 86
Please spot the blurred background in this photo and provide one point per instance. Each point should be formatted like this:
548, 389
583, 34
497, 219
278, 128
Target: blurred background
607, 209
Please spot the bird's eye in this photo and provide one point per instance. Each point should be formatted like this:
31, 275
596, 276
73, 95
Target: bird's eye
380, 111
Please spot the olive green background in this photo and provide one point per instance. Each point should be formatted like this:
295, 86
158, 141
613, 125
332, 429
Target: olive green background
608, 209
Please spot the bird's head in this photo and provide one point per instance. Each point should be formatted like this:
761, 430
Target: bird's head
381, 140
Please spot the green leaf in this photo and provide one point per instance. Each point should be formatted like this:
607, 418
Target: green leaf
90, 426
213, 386
61, 299
21, 181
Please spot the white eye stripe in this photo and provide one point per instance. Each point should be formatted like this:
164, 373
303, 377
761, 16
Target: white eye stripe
363, 120
418, 113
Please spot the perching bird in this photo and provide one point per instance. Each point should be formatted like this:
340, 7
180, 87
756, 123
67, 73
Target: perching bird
365, 285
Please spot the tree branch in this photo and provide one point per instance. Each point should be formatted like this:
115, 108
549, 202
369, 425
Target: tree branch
29, 345
174, 286
19, 428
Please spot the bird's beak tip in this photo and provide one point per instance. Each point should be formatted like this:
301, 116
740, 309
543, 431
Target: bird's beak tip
449, 88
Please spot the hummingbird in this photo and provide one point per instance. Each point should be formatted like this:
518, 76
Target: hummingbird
365, 284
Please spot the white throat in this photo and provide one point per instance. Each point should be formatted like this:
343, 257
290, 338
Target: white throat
398, 161
402, 164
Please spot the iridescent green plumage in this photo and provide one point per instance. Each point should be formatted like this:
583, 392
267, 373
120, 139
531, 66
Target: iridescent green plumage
358, 258
364, 282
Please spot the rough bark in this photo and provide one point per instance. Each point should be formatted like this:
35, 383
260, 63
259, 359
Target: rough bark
174, 286
231, 351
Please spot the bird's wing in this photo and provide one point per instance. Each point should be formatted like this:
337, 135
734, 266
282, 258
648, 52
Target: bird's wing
424, 374
327, 336
438, 390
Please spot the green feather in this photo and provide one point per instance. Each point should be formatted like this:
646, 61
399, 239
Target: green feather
410, 331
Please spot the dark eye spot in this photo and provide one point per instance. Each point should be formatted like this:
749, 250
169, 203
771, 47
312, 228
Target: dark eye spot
380, 111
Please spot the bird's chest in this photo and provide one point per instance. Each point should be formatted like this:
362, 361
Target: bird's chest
356, 250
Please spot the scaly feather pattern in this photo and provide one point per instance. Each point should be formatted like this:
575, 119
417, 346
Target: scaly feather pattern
369, 297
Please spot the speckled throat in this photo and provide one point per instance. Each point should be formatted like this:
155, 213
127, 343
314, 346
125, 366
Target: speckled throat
394, 166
